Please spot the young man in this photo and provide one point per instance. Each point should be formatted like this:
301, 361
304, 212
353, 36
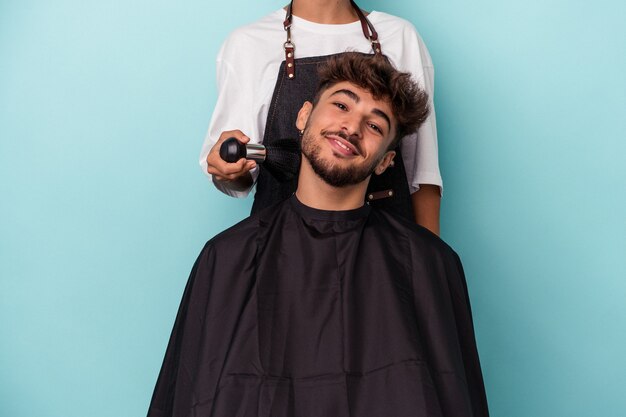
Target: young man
322, 306
267, 69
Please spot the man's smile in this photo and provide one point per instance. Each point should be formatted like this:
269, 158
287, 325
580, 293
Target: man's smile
341, 145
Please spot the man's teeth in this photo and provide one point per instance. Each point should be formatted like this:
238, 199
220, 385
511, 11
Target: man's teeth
343, 146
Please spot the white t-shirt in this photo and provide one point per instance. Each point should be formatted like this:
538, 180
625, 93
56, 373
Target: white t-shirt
247, 69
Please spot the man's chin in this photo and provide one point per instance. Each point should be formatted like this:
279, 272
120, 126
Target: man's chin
336, 170
339, 177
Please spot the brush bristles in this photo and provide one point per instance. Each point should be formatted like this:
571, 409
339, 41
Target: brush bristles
283, 159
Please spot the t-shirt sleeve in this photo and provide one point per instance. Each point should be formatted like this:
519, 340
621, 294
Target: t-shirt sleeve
419, 150
233, 110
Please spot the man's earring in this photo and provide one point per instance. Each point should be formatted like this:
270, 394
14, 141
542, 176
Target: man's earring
301, 132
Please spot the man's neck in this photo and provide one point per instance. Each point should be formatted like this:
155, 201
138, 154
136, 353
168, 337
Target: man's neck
332, 12
314, 192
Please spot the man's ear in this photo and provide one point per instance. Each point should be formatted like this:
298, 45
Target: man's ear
303, 115
385, 162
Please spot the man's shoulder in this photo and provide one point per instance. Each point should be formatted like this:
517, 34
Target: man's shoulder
239, 235
420, 239
246, 232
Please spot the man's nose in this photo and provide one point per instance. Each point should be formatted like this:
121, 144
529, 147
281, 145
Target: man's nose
351, 127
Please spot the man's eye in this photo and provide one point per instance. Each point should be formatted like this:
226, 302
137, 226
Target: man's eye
341, 106
376, 128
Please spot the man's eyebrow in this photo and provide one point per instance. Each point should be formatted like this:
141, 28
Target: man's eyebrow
356, 99
349, 93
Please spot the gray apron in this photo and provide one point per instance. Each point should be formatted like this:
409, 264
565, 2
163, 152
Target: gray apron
297, 82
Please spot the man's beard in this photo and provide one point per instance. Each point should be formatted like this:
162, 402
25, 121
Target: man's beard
330, 173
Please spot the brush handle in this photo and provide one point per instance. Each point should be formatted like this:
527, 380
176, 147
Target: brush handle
232, 151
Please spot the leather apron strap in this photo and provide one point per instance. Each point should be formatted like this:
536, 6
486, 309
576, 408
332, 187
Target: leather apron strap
290, 48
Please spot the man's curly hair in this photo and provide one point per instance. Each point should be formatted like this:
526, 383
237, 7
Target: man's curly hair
382, 80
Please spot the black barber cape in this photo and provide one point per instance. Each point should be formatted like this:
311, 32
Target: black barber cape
299, 312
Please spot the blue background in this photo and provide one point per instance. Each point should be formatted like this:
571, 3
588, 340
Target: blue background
103, 209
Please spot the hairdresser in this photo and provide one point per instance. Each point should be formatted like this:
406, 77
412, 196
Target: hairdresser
267, 69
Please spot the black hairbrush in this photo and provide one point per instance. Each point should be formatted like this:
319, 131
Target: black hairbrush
281, 158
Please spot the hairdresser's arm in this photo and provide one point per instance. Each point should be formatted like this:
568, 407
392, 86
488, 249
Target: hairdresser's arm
236, 174
426, 203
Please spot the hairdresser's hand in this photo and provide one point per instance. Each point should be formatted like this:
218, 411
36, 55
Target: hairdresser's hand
236, 174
